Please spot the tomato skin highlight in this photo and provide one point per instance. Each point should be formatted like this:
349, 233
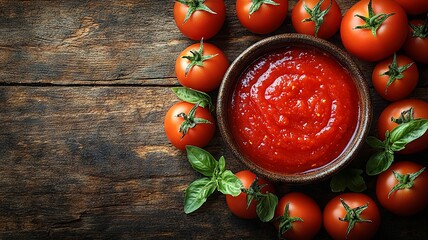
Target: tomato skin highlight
416, 47
390, 36
238, 205
304, 207
420, 110
204, 78
198, 136
404, 202
362, 230
265, 20
400, 88
330, 24
201, 24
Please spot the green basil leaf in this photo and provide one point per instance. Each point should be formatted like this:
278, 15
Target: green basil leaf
221, 164
357, 183
228, 183
407, 132
379, 162
201, 160
375, 142
194, 96
348, 178
197, 193
266, 207
338, 182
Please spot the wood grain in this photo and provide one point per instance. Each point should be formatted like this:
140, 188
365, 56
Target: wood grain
109, 42
84, 86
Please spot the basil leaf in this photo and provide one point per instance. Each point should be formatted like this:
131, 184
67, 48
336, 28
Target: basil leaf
375, 142
348, 178
407, 132
357, 183
201, 160
194, 96
379, 162
228, 183
197, 193
221, 164
266, 207
338, 182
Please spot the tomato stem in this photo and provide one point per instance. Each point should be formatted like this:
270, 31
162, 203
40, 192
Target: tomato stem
373, 21
420, 31
197, 58
257, 3
190, 121
405, 181
394, 72
286, 221
194, 5
353, 215
316, 15
405, 116
254, 191
266, 202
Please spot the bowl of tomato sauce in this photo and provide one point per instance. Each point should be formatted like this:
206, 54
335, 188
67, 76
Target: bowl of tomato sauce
294, 108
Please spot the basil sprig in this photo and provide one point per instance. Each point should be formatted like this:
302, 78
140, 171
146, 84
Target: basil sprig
395, 140
193, 96
348, 178
217, 177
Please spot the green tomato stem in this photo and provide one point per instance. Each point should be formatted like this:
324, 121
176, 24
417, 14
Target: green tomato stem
197, 58
353, 215
373, 21
194, 5
405, 181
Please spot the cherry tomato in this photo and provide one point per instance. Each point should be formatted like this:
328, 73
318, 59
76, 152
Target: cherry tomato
303, 214
411, 195
395, 109
373, 44
324, 15
395, 78
198, 128
266, 18
200, 23
335, 214
201, 67
238, 205
416, 45
414, 7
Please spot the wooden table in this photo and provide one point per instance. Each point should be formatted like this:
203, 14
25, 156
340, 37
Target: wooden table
84, 87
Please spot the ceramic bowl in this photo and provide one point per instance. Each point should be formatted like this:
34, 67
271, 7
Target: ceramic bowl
269, 44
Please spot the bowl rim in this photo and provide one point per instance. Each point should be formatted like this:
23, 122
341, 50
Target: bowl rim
258, 49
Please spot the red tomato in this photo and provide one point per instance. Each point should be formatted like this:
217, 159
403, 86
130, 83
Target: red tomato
416, 45
406, 201
201, 23
305, 22
420, 110
205, 67
414, 7
335, 212
198, 134
390, 35
266, 19
303, 207
238, 205
395, 78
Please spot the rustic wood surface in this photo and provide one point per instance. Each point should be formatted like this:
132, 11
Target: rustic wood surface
84, 87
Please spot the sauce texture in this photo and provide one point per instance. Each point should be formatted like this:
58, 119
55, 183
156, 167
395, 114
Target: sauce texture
294, 110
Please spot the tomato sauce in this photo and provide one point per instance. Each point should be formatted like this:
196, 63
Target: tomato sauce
294, 110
